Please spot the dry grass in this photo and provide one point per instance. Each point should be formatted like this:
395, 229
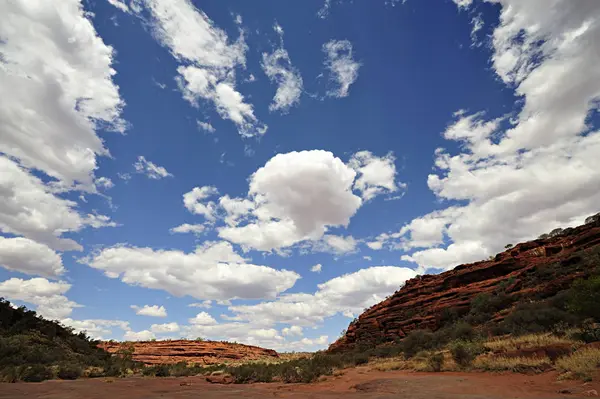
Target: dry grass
581, 364
516, 364
529, 341
391, 364
416, 363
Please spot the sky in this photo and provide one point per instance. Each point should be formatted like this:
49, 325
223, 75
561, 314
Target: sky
262, 172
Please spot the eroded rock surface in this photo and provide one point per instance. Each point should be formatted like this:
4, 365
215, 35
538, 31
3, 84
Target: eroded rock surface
201, 352
539, 268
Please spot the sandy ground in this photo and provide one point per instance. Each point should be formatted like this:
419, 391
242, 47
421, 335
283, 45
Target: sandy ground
354, 383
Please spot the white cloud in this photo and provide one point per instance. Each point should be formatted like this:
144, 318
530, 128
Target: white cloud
477, 22
192, 200
463, 4
207, 304
124, 176
235, 209
279, 69
206, 126
376, 175
164, 328
203, 319
96, 328
143, 335
47, 296
152, 311
296, 195
341, 65
104, 182
541, 170
28, 208
316, 268
212, 271
120, 5
347, 293
188, 228
210, 60
150, 169
335, 244
293, 330
59, 76
29, 257
254, 324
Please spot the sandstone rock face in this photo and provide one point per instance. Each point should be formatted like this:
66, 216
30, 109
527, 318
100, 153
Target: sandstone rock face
201, 352
526, 268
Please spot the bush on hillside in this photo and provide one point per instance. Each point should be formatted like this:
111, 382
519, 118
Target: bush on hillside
535, 317
30, 344
464, 352
35, 373
435, 361
416, 341
584, 298
69, 371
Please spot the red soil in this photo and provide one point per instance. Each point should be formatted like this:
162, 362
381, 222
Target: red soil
355, 383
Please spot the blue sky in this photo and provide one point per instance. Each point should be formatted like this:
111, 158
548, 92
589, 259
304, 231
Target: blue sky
263, 171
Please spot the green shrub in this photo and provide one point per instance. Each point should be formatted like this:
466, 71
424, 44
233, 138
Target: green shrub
416, 341
584, 298
158, 370
536, 317
181, 369
9, 374
35, 373
69, 371
435, 361
464, 353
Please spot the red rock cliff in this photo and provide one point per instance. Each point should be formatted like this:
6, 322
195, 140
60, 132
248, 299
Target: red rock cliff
421, 302
201, 352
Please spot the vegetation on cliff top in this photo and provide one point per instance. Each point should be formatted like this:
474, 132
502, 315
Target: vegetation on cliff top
35, 349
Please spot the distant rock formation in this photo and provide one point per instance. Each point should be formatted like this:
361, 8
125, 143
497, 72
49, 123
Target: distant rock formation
201, 352
525, 268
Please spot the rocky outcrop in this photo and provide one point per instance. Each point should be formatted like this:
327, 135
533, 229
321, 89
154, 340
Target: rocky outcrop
538, 268
201, 352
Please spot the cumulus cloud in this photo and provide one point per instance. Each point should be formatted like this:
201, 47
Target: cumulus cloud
207, 304
202, 319
48, 297
212, 271
59, 75
279, 69
28, 208
26, 256
297, 196
164, 328
334, 244
376, 175
96, 328
150, 310
192, 200
255, 324
347, 293
541, 170
316, 268
293, 330
143, 335
188, 228
208, 60
120, 5
206, 126
104, 182
150, 169
341, 65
